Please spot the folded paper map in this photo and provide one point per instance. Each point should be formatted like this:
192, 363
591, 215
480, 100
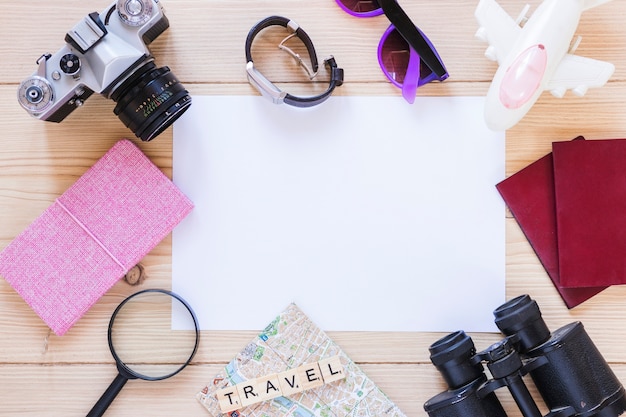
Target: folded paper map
290, 341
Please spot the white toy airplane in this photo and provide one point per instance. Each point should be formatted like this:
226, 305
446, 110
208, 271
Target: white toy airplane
534, 57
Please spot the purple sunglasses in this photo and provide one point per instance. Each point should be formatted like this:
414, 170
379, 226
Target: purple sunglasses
405, 55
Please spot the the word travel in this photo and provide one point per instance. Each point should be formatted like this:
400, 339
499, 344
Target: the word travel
285, 383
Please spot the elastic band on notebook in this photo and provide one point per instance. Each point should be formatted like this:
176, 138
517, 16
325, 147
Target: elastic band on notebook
82, 226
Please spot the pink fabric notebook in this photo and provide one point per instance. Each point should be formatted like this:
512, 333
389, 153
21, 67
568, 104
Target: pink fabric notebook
83, 243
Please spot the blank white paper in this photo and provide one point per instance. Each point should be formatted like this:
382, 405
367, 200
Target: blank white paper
367, 212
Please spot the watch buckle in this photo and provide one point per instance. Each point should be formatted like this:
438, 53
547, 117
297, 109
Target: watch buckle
310, 73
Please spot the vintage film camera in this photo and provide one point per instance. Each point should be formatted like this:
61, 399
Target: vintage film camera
107, 53
566, 367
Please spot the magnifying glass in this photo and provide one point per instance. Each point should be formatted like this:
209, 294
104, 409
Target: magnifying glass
143, 343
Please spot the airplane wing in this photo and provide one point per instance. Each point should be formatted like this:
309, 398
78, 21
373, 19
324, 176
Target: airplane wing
590, 4
578, 74
496, 28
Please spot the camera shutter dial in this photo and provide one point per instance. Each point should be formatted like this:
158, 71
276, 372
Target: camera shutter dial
35, 94
134, 12
70, 64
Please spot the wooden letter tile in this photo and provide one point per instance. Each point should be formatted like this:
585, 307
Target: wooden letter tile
268, 387
332, 369
310, 375
248, 392
228, 399
290, 382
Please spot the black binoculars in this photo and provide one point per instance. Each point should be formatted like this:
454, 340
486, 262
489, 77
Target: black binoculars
566, 367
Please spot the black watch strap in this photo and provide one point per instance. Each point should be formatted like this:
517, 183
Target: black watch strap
281, 21
267, 88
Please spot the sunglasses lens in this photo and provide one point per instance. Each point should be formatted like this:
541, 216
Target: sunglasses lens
394, 54
360, 6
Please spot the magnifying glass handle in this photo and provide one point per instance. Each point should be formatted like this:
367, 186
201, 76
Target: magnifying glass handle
109, 395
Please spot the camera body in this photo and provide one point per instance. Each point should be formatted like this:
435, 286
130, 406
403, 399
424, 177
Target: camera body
567, 369
107, 53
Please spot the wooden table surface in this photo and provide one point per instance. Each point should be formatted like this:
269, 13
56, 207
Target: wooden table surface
45, 375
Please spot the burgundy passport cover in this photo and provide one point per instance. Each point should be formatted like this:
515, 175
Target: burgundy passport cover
590, 187
83, 243
530, 196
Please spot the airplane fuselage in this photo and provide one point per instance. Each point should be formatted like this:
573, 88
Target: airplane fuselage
527, 68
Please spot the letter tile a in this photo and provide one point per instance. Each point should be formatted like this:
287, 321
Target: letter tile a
268, 387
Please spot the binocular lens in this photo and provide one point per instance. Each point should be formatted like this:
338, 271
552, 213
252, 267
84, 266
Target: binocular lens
465, 402
150, 101
451, 355
521, 317
567, 369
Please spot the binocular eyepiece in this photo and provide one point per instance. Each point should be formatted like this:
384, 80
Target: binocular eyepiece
566, 367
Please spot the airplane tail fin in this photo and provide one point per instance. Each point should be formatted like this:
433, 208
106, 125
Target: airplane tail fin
590, 4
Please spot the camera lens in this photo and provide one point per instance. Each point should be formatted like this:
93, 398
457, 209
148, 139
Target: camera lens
150, 100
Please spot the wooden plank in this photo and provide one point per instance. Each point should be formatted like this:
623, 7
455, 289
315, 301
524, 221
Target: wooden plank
42, 374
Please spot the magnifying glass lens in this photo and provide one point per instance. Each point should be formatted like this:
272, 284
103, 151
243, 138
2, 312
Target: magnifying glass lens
142, 340
143, 344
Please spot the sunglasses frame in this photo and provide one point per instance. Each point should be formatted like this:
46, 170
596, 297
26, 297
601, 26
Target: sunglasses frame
421, 48
376, 12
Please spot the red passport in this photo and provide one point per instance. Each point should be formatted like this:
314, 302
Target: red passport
590, 190
530, 196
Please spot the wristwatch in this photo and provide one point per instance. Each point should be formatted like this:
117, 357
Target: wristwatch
272, 92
